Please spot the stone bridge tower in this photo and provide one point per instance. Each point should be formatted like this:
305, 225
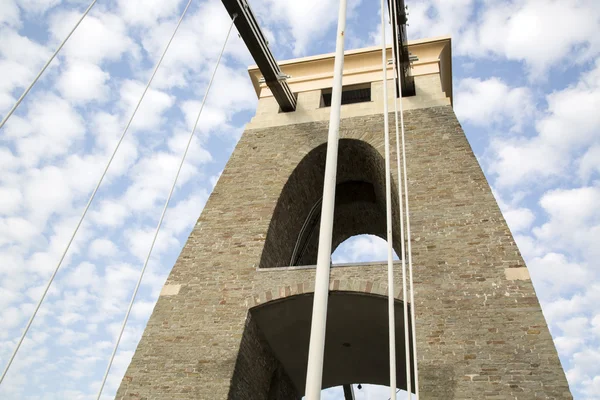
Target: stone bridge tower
233, 319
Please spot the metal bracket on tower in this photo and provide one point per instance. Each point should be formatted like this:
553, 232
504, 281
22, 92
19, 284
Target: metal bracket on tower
251, 34
281, 78
400, 43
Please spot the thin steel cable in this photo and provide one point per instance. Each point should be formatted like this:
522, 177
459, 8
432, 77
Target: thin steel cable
12, 110
162, 216
408, 236
388, 205
402, 237
90, 201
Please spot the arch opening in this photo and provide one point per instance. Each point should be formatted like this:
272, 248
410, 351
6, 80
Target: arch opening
363, 392
362, 249
293, 234
356, 342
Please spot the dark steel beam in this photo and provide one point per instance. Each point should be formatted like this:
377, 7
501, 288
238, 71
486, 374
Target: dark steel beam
400, 43
348, 392
248, 28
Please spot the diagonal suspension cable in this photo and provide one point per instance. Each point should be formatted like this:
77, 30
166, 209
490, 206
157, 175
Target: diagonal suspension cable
388, 205
164, 211
12, 110
408, 236
401, 212
17, 347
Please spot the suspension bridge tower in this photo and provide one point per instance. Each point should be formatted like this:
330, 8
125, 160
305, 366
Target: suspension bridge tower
233, 319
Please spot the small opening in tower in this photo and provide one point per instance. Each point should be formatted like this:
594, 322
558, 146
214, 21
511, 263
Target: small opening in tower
350, 94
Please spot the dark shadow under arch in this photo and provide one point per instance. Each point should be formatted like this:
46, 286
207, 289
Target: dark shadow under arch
292, 238
356, 344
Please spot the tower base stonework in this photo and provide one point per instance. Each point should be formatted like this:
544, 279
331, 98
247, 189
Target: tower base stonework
232, 321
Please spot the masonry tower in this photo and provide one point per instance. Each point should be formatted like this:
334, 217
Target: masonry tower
233, 319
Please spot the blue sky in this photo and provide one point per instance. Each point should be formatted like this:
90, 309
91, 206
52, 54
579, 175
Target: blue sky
527, 91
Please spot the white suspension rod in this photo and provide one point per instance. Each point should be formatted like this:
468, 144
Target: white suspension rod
316, 349
12, 110
164, 211
91, 199
402, 237
408, 236
388, 212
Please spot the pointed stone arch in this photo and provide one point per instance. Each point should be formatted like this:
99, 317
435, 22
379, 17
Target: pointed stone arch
292, 237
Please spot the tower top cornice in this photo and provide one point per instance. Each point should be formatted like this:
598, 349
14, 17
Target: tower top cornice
430, 55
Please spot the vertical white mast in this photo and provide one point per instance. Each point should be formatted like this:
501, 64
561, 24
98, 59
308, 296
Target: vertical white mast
314, 373
407, 348
388, 212
408, 236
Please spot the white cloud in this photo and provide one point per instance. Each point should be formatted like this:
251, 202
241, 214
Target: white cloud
431, 18
139, 241
150, 115
10, 13
49, 129
47, 192
103, 248
11, 317
147, 12
110, 213
15, 229
182, 217
81, 276
196, 46
361, 248
570, 123
196, 153
152, 179
586, 370
210, 119
107, 129
520, 30
572, 117
520, 162
574, 220
20, 60
526, 30
10, 200
8, 161
519, 219
589, 163
82, 82
142, 310
37, 6
307, 21
492, 102
529, 246
554, 275
101, 36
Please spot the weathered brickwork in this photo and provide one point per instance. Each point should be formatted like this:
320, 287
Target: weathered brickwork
480, 335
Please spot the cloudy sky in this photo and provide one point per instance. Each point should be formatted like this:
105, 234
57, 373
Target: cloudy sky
527, 91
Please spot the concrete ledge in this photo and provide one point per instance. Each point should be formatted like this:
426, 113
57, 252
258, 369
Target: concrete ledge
299, 267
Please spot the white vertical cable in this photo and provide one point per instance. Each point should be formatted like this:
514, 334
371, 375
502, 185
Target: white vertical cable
164, 211
401, 212
388, 212
408, 238
91, 199
12, 110
316, 348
